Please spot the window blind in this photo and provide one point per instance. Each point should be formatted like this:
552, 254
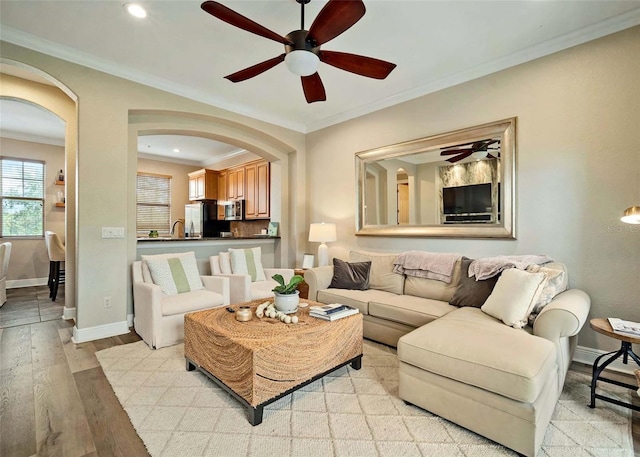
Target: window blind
153, 196
22, 195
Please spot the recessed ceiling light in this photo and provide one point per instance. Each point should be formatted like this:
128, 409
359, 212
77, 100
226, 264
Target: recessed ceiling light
176, 150
136, 10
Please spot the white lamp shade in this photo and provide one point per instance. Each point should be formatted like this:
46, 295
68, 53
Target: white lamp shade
322, 232
302, 63
631, 215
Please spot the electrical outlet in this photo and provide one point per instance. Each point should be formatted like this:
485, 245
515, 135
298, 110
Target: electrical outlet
107, 302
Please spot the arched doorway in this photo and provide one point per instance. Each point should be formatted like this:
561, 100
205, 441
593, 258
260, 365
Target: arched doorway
155, 122
31, 85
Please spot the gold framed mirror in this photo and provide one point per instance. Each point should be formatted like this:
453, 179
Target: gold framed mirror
458, 184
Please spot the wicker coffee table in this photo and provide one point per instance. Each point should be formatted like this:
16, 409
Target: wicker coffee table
262, 360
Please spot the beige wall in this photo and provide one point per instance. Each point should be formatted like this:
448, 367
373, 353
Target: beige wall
578, 166
112, 112
29, 260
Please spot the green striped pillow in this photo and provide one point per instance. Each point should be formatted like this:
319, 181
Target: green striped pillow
247, 262
175, 274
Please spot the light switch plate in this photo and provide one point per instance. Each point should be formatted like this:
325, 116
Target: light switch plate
112, 232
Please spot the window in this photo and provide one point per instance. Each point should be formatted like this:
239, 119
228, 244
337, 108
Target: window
153, 203
22, 184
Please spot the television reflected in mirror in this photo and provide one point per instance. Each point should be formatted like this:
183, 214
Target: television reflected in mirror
467, 204
449, 185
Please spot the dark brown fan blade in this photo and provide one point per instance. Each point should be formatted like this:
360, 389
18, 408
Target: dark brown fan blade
255, 70
460, 145
451, 152
334, 18
460, 157
238, 20
313, 88
360, 65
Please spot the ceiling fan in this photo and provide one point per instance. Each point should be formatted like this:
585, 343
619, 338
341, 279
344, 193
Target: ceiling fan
302, 47
478, 149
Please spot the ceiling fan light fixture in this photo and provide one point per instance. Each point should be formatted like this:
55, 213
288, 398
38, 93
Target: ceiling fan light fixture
302, 63
136, 10
479, 155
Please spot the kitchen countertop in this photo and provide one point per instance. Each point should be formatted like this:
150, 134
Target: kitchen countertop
204, 248
232, 238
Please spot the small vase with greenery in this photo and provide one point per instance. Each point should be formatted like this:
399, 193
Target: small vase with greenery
286, 295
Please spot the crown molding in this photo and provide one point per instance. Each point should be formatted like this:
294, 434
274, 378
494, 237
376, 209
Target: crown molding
159, 158
196, 163
27, 40
603, 28
32, 138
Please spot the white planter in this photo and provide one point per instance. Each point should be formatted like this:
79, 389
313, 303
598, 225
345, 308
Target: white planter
287, 303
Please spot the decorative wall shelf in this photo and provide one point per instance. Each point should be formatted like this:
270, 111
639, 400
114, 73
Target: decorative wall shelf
59, 183
60, 205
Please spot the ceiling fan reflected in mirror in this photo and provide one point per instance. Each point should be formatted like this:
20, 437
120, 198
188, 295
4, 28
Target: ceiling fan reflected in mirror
302, 47
478, 150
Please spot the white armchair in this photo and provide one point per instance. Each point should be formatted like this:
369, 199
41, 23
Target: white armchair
158, 317
241, 288
5, 253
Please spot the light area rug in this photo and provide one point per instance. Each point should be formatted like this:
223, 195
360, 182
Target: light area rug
346, 413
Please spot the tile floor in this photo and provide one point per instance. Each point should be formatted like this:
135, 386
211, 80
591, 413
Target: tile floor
30, 305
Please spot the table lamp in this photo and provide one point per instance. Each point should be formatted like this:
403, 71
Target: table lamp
631, 215
322, 233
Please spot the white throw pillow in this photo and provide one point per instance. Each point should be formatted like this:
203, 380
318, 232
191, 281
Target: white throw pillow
247, 262
225, 263
175, 273
514, 296
215, 265
556, 283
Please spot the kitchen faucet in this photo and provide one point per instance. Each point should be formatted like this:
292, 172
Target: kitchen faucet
173, 227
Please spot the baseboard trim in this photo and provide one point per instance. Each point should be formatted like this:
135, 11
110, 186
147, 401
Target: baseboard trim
589, 355
68, 313
130, 320
18, 283
82, 335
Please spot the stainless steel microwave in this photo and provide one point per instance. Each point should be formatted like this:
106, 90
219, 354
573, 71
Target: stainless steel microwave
234, 211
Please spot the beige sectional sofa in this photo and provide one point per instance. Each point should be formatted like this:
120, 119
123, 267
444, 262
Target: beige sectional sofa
460, 363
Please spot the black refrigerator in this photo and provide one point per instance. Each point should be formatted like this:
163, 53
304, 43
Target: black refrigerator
201, 220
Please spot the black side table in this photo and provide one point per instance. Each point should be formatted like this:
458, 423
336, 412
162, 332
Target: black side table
602, 326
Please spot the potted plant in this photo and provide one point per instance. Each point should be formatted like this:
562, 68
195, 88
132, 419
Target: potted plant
287, 295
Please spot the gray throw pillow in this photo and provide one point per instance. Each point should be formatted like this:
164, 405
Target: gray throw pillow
354, 276
469, 291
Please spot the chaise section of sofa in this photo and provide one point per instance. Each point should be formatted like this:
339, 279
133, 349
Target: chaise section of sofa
460, 362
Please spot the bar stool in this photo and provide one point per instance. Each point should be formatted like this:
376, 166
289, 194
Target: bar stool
56, 251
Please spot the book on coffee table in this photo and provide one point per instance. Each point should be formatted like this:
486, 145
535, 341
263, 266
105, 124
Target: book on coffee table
328, 309
332, 312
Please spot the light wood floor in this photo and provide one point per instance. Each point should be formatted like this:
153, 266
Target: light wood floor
56, 401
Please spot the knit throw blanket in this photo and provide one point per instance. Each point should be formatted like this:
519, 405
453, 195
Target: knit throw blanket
488, 267
430, 265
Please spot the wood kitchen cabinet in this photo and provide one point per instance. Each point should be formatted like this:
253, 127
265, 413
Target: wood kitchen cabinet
235, 183
257, 188
222, 193
250, 204
203, 185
